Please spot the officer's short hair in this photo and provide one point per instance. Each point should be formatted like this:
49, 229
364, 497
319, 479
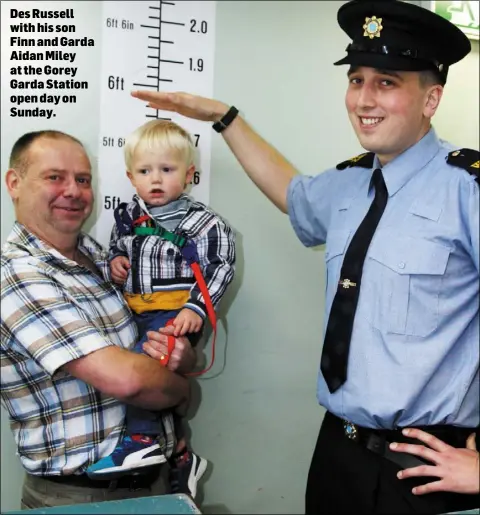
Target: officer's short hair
430, 78
159, 135
426, 78
20, 150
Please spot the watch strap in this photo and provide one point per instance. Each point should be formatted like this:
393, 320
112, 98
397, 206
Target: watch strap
226, 119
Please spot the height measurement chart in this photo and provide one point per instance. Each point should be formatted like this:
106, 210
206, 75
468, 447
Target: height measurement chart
154, 45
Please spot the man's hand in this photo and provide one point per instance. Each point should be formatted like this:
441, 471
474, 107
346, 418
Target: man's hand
119, 267
267, 168
458, 469
183, 357
187, 321
191, 106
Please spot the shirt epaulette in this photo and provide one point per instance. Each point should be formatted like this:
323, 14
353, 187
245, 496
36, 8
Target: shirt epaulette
364, 160
468, 159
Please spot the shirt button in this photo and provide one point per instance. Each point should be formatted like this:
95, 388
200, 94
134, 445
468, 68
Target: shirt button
401, 265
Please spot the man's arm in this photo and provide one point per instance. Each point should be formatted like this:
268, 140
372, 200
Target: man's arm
131, 378
265, 166
48, 325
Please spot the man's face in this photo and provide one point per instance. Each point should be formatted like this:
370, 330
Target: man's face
159, 176
55, 194
390, 111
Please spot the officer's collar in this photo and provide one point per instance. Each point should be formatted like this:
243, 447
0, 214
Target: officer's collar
401, 169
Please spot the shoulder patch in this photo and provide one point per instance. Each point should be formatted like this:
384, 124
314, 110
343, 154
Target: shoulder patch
467, 159
363, 160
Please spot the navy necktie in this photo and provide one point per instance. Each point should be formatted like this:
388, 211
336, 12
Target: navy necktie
340, 322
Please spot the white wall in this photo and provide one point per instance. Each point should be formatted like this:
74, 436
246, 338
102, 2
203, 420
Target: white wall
258, 420
457, 117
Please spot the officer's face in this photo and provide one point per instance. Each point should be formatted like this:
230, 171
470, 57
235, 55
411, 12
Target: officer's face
389, 110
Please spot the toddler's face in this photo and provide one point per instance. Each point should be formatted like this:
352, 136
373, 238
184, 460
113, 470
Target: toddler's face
159, 175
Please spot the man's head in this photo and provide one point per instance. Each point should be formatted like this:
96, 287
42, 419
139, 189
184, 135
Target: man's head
399, 59
390, 110
49, 181
159, 156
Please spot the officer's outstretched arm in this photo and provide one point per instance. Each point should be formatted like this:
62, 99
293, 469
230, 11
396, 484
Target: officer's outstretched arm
267, 168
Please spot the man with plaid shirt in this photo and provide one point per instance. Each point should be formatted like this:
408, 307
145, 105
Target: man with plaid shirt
66, 331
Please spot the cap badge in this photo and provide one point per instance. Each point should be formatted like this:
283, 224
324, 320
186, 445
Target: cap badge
372, 27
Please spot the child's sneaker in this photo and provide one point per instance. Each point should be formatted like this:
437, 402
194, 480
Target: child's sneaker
132, 453
186, 469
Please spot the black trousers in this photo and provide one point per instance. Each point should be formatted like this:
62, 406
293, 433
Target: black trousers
347, 478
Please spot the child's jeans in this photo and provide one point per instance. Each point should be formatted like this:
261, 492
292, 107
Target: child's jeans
139, 420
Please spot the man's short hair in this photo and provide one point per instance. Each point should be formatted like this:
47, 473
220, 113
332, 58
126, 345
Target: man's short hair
19, 154
427, 78
431, 78
159, 134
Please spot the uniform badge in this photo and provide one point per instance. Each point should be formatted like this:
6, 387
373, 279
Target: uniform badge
373, 27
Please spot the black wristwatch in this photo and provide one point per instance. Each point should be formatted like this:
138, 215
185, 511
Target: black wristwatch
226, 120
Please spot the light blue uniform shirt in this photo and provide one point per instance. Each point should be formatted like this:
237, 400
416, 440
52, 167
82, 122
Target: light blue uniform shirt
414, 351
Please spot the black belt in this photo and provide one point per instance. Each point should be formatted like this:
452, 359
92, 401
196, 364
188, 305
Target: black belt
130, 482
378, 440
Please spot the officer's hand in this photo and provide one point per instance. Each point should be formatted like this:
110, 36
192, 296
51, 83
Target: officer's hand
119, 267
457, 469
183, 357
191, 106
187, 321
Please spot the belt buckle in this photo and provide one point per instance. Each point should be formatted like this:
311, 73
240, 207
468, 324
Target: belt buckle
350, 430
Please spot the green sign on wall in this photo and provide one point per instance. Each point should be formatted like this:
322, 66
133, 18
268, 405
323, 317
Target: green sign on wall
463, 14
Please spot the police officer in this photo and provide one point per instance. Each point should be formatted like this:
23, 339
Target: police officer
401, 227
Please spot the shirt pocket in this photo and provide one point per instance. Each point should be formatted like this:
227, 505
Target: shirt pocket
334, 254
408, 273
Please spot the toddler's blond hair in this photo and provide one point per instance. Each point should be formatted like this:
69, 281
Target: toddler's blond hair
159, 134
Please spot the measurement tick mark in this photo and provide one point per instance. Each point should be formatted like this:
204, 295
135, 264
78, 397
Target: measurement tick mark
145, 85
156, 116
172, 23
168, 61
